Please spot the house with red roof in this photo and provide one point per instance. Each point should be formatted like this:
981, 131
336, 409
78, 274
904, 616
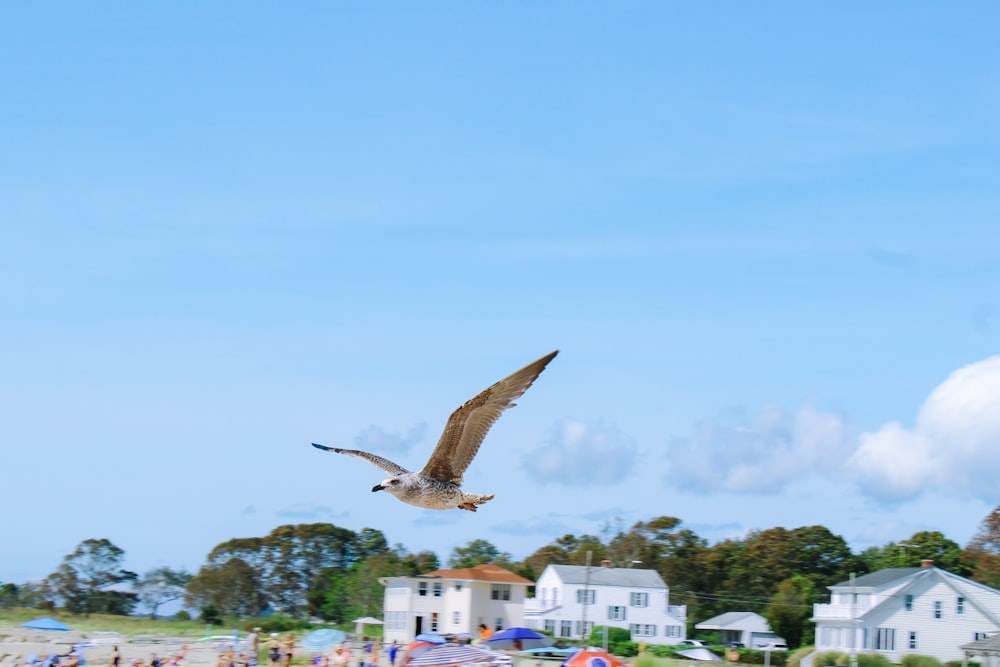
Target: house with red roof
452, 602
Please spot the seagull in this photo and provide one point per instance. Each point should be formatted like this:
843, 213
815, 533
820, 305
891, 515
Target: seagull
438, 485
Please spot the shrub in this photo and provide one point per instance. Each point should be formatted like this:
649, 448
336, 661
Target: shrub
279, 623
664, 650
830, 658
795, 657
875, 660
914, 660
210, 615
960, 663
182, 615
756, 657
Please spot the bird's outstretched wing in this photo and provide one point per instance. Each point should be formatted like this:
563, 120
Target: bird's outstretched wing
468, 425
385, 465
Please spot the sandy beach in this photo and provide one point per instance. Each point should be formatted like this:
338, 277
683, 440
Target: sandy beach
18, 643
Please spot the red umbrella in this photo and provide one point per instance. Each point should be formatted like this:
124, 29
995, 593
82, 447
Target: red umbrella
415, 649
592, 657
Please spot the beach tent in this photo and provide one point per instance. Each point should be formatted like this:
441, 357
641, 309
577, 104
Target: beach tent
360, 623
45, 623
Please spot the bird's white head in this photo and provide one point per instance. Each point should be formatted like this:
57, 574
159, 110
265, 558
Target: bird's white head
393, 485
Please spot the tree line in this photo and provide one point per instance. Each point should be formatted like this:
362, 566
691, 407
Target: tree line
325, 571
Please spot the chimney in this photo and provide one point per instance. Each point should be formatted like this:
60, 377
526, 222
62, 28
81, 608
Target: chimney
927, 562
605, 563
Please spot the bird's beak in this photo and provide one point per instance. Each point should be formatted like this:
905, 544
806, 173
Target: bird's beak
377, 487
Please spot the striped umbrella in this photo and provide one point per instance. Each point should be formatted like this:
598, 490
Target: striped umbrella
452, 654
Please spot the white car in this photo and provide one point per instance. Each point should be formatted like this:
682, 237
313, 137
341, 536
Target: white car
773, 646
690, 642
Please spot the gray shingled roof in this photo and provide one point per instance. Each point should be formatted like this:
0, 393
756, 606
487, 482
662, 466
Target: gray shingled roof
875, 579
609, 576
726, 620
988, 646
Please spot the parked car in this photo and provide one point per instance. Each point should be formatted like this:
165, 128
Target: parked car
690, 642
773, 646
736, 645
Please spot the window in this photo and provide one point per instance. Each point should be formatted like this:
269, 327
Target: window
639, 599
456, 618
672, 630
501, 592
960, 606
616, 613
937, 609
458, 585
908, 602
550, 626
498, 625
913, 640
422, 589
437, 589
585, 596
434, 621
880, 639
565, 627
976, 636
642, 630
583, 628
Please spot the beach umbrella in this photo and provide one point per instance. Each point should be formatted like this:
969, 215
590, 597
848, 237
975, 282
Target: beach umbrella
45, 623
592, 657
518, 639
325, 638
452, 654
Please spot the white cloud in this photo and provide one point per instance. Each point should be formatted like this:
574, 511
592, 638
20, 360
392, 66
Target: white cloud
379, 441
581, 453
953, 444
759, 454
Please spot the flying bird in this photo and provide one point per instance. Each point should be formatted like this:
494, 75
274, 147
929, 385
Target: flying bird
438, 485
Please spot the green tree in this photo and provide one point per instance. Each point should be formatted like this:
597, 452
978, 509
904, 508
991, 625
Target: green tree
161, 585
982, 554
84, 576
476, 552
8, 595
232, 588
790, 609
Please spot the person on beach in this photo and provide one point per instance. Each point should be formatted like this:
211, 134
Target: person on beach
288, 649
391, 652
273, 650
116, 657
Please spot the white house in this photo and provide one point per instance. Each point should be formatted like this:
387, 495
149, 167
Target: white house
746, 627
571, 599
453, 601
897, 611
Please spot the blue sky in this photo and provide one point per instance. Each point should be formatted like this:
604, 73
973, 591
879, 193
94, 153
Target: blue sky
763, 236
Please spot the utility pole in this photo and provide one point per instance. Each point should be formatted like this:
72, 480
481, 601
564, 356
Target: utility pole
854, 629
586, 594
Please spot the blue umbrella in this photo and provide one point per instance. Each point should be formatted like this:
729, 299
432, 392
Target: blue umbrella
320, 640
519, 639
45, 623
